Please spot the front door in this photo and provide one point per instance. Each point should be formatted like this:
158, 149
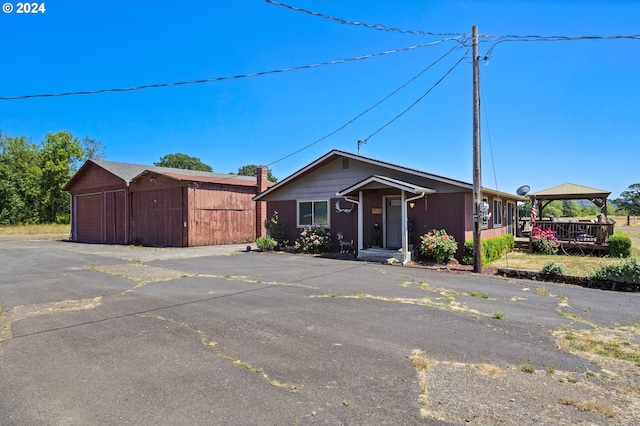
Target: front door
393, 219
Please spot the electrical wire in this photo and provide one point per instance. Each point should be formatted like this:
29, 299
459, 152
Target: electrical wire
365, 111
216, 79
378, 27
416, 101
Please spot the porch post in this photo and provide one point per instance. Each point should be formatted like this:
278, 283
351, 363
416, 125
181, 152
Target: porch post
360, 222
405, 244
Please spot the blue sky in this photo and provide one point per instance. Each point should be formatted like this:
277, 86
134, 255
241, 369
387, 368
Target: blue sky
552, 112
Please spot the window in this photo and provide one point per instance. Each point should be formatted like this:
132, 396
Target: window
484, 220
497, 213
313, 212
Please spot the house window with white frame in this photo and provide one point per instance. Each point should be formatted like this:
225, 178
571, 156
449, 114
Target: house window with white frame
313, 212
497, 213
484, 222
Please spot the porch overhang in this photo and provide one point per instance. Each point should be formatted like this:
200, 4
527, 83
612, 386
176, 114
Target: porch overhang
374, 182
382, 182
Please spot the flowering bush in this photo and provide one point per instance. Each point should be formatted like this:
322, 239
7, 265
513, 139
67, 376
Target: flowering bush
544, 241
313, 239
275, 229
438, 245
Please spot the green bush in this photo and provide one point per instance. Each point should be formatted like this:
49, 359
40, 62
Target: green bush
551, 269
492, 249
627, 271
266, 243
438, 245
313, 239
619, 245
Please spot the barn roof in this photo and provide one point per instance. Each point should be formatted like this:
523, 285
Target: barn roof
128, 172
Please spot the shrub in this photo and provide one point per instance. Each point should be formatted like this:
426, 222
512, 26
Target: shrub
266, 243
313, 239
544, 241
492, 249
627, 271
275, 229
551, 269
619, 245
438, 245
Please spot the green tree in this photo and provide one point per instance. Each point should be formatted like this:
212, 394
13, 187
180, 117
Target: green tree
183, 161
20, 176
251, 169
630, 200
570, 208
60, 155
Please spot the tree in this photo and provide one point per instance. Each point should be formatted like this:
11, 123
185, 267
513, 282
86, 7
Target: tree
183, 161
251, 169
570, 208
20, 177
630, 200
60, 155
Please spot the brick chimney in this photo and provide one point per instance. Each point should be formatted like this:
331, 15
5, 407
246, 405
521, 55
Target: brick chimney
262, 174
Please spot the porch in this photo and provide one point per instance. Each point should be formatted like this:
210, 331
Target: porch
579, 236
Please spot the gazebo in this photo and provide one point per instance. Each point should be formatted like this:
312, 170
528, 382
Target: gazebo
575, 236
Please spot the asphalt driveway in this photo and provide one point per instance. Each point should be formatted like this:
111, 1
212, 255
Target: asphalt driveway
94, 334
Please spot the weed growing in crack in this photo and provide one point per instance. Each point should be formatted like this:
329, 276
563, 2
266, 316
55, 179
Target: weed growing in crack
528, 368
498, 315
481, 294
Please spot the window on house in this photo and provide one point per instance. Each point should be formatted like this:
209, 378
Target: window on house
484, 222
497, 213
313, 212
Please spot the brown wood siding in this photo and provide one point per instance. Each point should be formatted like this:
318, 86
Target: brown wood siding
97, 179
287, 215
89, 218
115, 217
221, 214
346, 223
156, 217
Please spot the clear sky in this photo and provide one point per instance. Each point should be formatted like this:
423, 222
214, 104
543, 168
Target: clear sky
552, 112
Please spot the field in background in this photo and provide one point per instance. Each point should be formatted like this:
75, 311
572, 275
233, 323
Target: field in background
50, 228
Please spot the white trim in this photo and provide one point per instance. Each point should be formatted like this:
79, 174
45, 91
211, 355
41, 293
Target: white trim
497, 213
313, 200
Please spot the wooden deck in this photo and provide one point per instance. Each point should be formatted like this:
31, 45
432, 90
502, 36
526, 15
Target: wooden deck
580, 236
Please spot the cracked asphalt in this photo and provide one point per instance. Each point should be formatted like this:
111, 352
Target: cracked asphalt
95, 334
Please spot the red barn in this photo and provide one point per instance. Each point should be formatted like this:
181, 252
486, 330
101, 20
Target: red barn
121, 203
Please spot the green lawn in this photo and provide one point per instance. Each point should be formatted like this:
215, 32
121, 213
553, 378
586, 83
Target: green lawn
572, 265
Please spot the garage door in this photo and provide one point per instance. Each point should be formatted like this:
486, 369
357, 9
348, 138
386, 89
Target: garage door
89, 218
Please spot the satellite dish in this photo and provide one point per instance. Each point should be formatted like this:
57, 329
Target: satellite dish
523, 190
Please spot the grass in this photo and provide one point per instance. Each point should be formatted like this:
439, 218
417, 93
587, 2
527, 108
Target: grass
47, 228
498, 315
528, 368
572, 265
592, 406
481, 294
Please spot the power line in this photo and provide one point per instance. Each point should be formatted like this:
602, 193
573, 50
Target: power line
378, 27
416, 101
365, 111
216, 79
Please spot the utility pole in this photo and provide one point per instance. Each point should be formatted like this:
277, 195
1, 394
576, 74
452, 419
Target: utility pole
477, 173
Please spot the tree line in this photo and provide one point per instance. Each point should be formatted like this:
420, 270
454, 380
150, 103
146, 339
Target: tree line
32, 176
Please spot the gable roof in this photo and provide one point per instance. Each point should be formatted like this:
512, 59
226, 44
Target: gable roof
129, 172
569, 191
376, 182
332, 155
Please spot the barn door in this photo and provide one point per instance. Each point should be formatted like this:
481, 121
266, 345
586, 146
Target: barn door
89, 218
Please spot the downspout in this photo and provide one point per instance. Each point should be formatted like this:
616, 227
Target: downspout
360, 218
405, 231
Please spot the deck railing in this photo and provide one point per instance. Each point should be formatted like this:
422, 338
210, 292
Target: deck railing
579, 230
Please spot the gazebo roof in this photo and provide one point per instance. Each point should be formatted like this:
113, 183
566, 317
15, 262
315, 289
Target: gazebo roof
570, 191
